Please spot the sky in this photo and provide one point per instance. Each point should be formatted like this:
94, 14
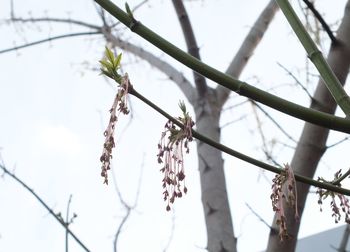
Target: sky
54, 107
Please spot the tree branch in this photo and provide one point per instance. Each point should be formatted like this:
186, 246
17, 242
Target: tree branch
248, 46
191, 43
67, 221
341, 178
174, 75
231, 152
338, 142
259, 217
321, 20
329, 78
61, 221
274, 122
70, 35
56, 20
297, 81
242, 88
129, 208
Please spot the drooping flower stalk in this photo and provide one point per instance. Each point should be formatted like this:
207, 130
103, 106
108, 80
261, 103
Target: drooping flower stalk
284, 191
339, 202
171, 147
109, 67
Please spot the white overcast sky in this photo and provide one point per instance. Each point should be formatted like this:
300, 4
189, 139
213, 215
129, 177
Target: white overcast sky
54, 109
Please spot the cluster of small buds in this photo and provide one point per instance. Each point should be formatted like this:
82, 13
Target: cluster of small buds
284, 190
171, 147
336, 207
120, 105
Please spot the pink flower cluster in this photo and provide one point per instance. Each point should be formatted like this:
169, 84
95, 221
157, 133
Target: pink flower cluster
171, 147
120, 105
284, 191
337, 206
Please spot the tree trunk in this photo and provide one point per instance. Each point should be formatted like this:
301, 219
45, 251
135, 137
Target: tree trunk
213, 185
312, 143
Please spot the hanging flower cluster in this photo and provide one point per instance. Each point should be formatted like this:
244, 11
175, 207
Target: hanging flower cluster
174, 141
339, 203
109, 67
284, 191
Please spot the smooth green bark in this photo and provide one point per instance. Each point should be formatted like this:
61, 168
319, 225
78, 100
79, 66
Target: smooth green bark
242, 88
239, 155
315, 55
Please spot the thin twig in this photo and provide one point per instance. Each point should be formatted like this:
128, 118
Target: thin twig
231, 152
60, 220
341, 178
339, 142
233, 121
296, 80
321, 20
127, 206
78, 34
259, 124
167, 245
274, 121
243, 88
67, 220
55, 20
137, 6
258, 216
265, 149
235, 105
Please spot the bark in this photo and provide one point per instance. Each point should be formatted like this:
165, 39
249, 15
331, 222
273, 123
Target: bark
213, 185
248, 46
215, 202
193, 49
176, 76
207, 107
207, 103
312, 142
344, 240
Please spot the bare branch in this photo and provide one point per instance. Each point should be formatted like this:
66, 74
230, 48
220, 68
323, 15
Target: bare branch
321, 20
233, 121
248, 46
259, 124
139, 5
191, 43
265, 149
56, 20
312, 143
78, 34
341, 178
129, 208
258, 216
235, 105
274, 121
12, 13
296, 80
67, 220
339, 142
163, 66
167, 245
231, 152
59, 219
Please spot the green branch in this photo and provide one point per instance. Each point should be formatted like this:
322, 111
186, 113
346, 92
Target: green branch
231, 152
315, 55
56, 216
242, 88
